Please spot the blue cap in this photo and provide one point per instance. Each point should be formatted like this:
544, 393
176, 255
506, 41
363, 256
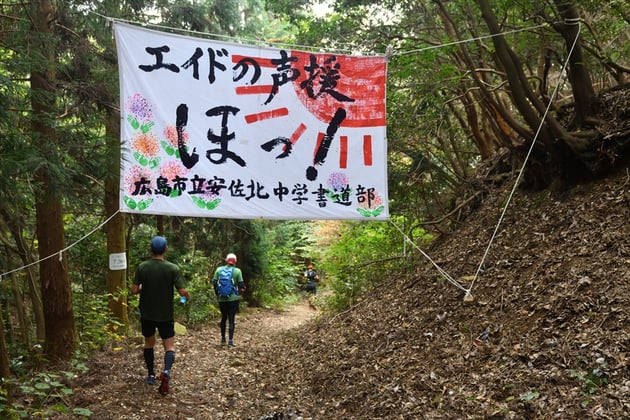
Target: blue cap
158, 245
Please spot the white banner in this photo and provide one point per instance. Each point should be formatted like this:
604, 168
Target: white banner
212, 129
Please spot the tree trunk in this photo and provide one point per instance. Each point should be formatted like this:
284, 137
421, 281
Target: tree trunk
567, 152
14, 224
55, 283
38, 306
523, 97
504, 128
5, 371
160, 224
21, 311
581, 84
115, 229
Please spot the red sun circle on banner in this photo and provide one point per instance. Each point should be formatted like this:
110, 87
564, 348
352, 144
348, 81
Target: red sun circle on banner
356, 84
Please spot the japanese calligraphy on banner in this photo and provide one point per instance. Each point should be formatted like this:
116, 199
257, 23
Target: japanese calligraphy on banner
214, 129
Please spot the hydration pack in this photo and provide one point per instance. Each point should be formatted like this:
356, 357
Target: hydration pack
225, 284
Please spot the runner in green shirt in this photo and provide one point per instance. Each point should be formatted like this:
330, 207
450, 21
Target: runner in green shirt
228, 301
155, 280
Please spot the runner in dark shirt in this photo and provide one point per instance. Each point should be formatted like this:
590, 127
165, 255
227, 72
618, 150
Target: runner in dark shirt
155, 280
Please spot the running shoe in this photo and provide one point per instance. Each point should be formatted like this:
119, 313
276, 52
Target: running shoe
150, 380
164, 378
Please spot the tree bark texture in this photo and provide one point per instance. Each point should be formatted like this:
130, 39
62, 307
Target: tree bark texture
5, 370
115, 228
55, 283
579, 76
14, 224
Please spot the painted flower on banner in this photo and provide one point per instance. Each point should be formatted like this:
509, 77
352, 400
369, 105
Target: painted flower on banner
370, 204
137, 181
145, 150
338, 187
139, 113
171, 170
146, 144
209, 201
170, 145
170, 173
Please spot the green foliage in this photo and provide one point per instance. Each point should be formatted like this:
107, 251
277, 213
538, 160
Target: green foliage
202, 305
286, 246
94, 322
23, 359
530, 395
276, 285
365, 255
95, 327
87, 263
254, 247
45, 395
592, 382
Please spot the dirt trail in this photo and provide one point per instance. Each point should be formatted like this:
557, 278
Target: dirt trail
208, 381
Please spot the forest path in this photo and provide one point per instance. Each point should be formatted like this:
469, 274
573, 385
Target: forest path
208, 381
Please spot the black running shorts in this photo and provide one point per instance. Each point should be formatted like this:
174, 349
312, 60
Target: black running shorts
165, 328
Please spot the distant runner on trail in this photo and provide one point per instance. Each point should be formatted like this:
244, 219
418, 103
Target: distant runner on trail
228, 284
311, 279
155, 280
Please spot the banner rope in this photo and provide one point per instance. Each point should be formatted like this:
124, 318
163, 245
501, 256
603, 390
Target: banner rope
424, 254
529, 152
464, 41
350, 48
60, 252
468, 291
252, 41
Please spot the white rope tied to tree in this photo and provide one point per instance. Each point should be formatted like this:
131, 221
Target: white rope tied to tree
529, 152
468, 291
465, 41
60, 252
424, 254
389, 51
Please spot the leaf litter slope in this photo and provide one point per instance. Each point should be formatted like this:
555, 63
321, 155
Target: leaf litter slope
546, 336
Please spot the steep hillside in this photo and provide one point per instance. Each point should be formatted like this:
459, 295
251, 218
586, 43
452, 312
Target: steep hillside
546, 335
